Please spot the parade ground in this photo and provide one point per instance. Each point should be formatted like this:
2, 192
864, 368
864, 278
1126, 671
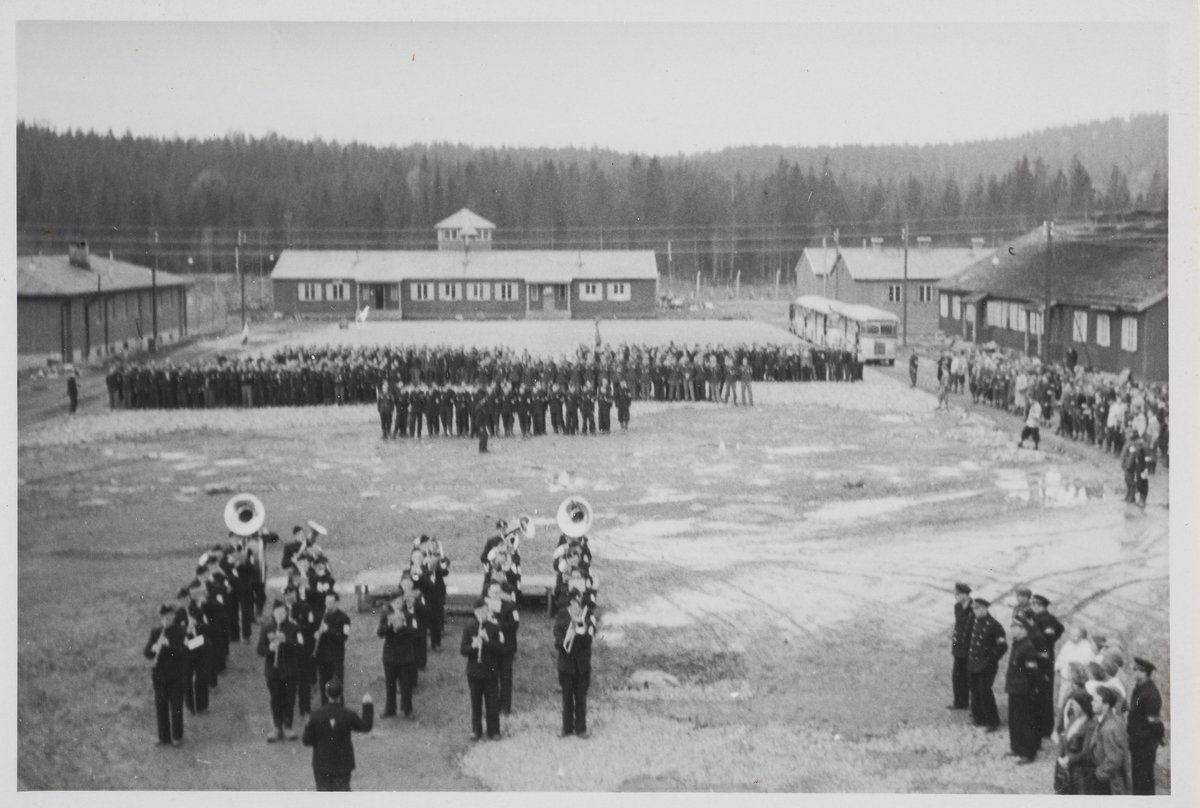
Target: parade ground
775, 582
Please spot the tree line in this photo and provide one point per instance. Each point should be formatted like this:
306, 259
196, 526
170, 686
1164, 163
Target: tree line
196, 196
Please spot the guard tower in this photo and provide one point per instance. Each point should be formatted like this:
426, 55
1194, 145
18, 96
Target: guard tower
464, 230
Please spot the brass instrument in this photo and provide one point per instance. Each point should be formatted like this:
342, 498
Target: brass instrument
244, 514
279, 637
577, 627
524, 527
574, 517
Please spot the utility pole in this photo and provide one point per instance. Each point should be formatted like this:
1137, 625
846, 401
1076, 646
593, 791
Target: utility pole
904, 291
154, 298
1044, 337
241, 278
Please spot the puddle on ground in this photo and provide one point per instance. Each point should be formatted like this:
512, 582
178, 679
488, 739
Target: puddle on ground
661, 494
1046, 487
853, 510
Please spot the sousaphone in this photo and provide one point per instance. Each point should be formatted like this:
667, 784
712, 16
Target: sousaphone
574, 517
245, 514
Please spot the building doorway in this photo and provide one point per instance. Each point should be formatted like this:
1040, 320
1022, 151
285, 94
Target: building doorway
548, 298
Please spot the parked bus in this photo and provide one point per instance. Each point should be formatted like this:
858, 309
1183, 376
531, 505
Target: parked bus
868, 332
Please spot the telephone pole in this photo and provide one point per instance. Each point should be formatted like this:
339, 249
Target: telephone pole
237, 265
1044, 337
904, 291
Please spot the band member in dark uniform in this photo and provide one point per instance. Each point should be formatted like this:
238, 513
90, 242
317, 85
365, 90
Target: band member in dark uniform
191, 617
1022, 684
988, 646
960, 646
1145, 727
482, 645
502, 605
328, 733
438, 566
623, 401
399, 628
277, 644
301, 614
168, 650
330, 642
573, 632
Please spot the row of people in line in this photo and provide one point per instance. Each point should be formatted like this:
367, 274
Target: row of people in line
1105, 735
333, 375
465, 411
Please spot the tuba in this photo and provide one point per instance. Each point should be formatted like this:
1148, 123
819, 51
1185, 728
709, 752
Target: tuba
523, 529
574, 517
245, 514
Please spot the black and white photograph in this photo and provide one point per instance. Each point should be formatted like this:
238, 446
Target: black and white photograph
645, 398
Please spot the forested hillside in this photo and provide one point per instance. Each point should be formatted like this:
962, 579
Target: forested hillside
730, 208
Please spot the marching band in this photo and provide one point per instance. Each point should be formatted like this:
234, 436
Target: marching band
302, 639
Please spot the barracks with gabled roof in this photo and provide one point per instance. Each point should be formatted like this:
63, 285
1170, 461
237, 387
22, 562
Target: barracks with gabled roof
81, 307
465, 279
874, 276
1107, 290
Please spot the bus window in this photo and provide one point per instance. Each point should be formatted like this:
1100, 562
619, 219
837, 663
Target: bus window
888, 329
871, 329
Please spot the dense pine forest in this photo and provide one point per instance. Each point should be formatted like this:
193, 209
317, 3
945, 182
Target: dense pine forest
189, 202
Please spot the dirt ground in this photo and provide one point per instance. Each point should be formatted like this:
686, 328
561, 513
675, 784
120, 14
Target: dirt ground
775, 585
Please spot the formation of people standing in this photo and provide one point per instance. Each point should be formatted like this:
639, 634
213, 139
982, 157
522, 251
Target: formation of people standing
337, 375
1105, 735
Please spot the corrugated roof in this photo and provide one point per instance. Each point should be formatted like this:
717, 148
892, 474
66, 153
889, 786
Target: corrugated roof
465, 219
887, 264
55, 276
532, 266
1119, 271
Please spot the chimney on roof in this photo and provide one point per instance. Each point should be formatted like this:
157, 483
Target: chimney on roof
876, 242
77, 255
924, 242
977, 243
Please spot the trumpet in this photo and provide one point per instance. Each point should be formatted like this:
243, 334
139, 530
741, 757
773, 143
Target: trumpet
161, 643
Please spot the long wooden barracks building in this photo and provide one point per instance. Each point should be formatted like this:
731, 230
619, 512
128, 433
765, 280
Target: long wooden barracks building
80, 307
466, 278
1106, 286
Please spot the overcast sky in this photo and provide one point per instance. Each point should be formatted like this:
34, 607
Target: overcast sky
653, 88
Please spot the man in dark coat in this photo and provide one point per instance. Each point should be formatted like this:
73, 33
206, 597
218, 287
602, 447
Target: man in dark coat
482, 645
1044, 633
960, 646
988, 645
1021, 683
1144, 727
330, 643
168, 650
277, 644
573, 632
400, 629
503, 607
73, 390
328, 733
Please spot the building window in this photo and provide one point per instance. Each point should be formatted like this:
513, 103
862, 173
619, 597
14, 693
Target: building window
337, 291
1129, 334
944, 305
449, 291
1022, 321
506, 291
956, 307
1079, 327
971, 312
1035, 323
893, 293
421, 291
590, 290
925, 293
1103, 339
619, 291
479, 291
310, 291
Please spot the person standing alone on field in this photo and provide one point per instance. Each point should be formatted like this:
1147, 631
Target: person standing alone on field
73, 389
912, 369
328, 733
1033, 423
